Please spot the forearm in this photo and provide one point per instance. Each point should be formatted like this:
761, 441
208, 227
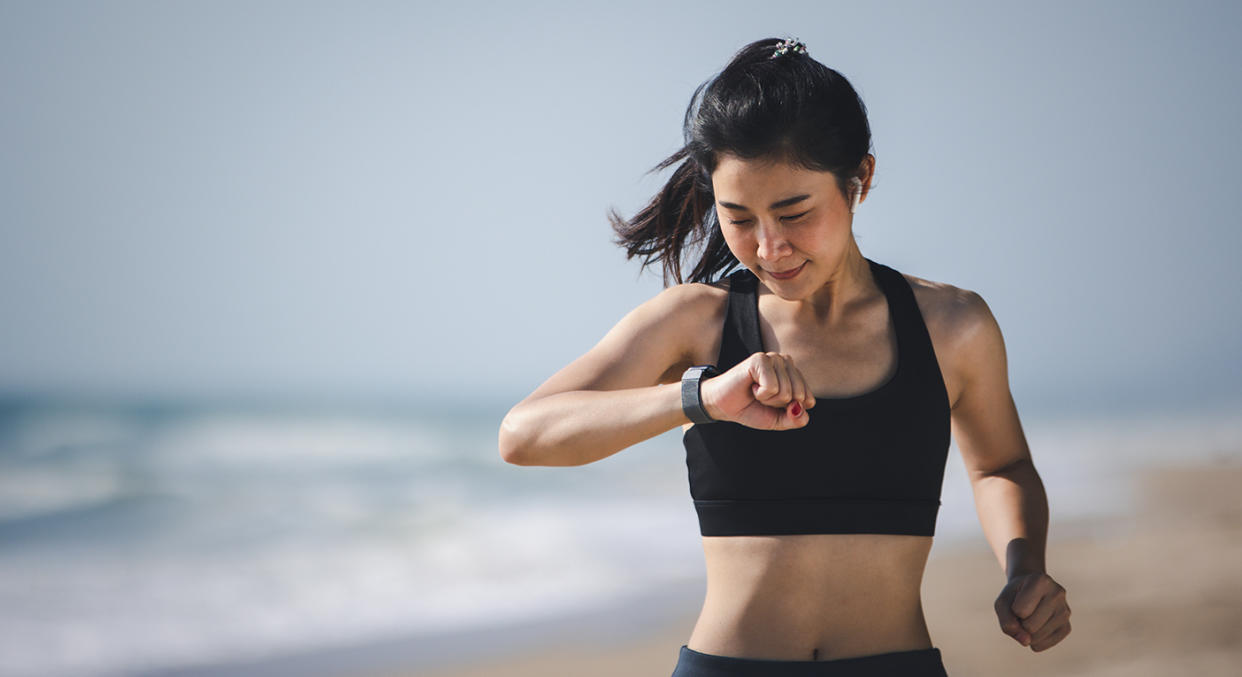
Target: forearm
580, 427
1013, 510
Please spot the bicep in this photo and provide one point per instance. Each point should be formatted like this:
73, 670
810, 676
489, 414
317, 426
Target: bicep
639, 351
984, 418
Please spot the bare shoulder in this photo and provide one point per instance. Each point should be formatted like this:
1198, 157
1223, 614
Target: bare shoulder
652, 344
960, 324
681, 324
951, 308
695, 312
688, 302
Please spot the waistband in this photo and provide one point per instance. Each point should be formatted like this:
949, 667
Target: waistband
740, 517
916, 663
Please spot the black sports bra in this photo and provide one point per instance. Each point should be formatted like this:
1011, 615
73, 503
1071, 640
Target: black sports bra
868, 464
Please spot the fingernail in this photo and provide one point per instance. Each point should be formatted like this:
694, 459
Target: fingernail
796, 409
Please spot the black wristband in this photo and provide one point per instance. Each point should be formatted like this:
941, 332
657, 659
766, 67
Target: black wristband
692, 392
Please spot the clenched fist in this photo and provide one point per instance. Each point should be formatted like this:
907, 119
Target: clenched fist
1032, 609
764, 391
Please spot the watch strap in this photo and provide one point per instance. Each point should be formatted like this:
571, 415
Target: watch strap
692, 392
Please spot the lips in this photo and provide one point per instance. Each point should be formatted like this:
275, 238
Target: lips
788, 273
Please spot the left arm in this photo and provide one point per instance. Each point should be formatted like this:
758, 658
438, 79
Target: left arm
1009, 495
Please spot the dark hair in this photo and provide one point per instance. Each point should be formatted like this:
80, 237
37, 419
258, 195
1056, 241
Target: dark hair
790, 108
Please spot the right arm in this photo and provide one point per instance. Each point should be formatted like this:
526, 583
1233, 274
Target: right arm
624, 390
628, 389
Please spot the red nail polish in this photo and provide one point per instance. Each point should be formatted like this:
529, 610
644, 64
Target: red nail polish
797, 409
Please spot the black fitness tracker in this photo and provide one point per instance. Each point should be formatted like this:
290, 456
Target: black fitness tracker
692, 393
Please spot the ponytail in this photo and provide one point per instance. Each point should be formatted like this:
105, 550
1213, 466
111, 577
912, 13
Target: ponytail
680, 214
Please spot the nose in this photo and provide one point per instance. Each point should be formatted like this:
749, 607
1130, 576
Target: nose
773, 245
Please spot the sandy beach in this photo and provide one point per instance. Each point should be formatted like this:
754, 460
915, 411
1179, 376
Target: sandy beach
1155, 593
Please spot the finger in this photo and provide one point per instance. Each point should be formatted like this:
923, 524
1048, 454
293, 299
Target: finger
1047, 607
1051, 640
802, 390
1031, 592
784, 392
1061, 617
1009, 623
769, 391
797, 385
796, 412
766, 383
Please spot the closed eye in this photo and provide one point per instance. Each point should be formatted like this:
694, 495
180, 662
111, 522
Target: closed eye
791, 218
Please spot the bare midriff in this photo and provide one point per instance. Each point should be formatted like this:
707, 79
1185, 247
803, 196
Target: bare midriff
812, 597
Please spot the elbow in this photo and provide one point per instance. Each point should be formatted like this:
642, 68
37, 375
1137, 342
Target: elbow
1017, 470
524, 439
520, 444
512, 450
515, 441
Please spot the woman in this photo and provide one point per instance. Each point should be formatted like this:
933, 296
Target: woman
816, 388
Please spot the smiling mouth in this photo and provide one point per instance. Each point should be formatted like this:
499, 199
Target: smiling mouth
787, 274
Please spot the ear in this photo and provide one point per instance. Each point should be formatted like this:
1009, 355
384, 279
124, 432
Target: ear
866, 171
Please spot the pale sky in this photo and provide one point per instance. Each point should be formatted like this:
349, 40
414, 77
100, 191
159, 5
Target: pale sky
363, 199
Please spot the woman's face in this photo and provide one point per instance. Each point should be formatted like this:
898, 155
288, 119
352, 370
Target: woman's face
789, 225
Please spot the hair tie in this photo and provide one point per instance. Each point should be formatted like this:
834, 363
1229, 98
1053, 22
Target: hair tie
792, 45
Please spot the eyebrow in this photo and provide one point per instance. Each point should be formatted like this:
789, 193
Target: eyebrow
775, 205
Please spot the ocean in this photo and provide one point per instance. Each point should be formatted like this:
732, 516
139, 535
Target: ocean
215, 539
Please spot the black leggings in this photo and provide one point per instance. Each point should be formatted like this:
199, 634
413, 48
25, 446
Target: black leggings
918, 663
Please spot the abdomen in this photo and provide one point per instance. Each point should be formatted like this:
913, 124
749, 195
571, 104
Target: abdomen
812, 597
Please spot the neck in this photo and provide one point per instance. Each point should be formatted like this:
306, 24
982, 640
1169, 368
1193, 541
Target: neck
851, 281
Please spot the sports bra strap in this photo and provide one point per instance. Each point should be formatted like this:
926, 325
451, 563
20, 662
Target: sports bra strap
741, 337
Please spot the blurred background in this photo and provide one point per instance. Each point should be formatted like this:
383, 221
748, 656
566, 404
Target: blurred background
271, 273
